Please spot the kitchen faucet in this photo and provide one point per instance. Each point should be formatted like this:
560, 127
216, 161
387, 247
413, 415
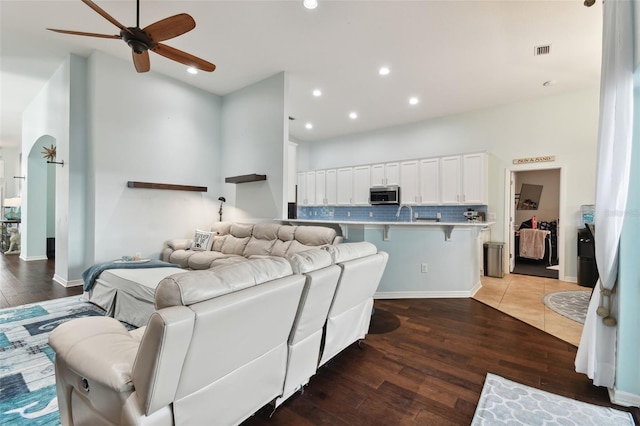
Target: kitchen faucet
410, 211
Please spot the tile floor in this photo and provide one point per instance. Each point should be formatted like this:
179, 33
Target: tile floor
521, 297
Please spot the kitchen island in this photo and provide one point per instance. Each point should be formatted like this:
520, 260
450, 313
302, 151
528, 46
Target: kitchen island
426, 258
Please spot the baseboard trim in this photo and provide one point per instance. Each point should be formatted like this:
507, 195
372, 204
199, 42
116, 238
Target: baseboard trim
64, 283
623, 398
424, 294
570, 279
29, 259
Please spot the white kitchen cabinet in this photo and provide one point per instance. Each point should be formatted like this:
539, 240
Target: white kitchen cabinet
306, 188
331, 182
429, 181
409, 186
450, 175
311, 188
320, 187
325, 193
361, 185
301, 188
385, 174
344, 188
475, 178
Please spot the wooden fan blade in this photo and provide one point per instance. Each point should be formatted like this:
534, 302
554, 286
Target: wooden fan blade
170, 27
84, 34
105, 15
141, 61
183, 57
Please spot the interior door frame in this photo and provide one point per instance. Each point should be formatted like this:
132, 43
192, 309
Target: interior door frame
509, 212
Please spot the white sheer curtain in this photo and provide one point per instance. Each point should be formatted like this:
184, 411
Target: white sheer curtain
597, 351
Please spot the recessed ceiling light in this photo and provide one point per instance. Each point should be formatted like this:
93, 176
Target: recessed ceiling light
310, 4
353, 115
308, 126
192, 70
413, 100
317, 92
384, 71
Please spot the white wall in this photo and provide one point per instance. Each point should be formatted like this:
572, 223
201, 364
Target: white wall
46, 118
148, 128
562, 125
255, 128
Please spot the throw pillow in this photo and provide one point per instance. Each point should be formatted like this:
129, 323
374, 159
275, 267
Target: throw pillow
202, 240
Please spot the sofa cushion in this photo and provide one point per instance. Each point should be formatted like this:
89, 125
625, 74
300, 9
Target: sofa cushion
314, 235
203, 259
179, 243
218, 242
195, 286
280, 248
349, 251
310, 260
181, 257
234, 245
222, 228
266, 231
258, 246
241, 230
286, 232
296, 247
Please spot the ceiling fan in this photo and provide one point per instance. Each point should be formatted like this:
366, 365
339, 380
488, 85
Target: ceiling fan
141, 40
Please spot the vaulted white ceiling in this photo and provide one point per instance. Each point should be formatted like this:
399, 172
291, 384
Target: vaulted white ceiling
453, 55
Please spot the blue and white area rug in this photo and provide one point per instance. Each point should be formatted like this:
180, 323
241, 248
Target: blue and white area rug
504, 402
27, 376
572, 304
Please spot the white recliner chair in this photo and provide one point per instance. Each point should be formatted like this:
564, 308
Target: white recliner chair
214, 352
352, 306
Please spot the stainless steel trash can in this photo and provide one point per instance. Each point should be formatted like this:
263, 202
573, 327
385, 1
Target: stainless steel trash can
493, 259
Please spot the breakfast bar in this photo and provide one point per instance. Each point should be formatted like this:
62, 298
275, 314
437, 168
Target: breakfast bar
427, 259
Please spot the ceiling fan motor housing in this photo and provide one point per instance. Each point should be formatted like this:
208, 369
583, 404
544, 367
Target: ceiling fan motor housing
137, 40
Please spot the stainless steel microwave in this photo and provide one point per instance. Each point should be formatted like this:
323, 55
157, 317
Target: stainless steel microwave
384, 195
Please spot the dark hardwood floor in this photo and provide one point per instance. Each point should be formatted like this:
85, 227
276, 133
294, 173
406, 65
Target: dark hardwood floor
423, 362
28, 282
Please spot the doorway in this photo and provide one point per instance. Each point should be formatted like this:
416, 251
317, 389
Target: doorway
535, 208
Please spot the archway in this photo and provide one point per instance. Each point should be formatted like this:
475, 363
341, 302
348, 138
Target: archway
38, 220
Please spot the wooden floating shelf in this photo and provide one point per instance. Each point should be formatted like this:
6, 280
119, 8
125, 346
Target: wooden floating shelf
149, 185
245, 178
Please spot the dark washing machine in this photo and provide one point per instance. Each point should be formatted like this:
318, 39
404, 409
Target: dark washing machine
587, 268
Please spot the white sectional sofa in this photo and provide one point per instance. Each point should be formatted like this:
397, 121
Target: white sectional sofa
221, 343
128, 294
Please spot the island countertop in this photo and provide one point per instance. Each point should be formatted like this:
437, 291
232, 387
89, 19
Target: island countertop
447, 227
392, 223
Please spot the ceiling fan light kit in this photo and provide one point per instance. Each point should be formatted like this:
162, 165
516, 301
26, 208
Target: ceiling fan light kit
141, 40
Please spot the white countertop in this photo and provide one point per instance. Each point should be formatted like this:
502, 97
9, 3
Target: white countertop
395, 223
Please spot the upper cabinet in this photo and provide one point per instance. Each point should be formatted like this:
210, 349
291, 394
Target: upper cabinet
475, 179
429, 181
450, 174
307, 188
464, 179
331, 182
344, 188
320, 196
385, 174
454, 179
409, 185
361, 185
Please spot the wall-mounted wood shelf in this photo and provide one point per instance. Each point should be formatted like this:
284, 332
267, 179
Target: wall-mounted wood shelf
149, 185
245, 178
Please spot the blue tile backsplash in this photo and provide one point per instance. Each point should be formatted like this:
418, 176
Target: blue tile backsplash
385, 213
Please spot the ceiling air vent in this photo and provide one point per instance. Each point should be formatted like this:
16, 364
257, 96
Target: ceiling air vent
542, 50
